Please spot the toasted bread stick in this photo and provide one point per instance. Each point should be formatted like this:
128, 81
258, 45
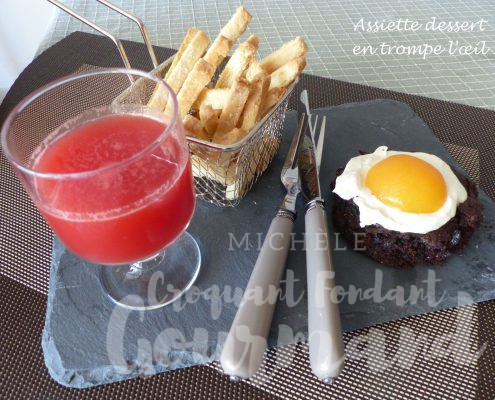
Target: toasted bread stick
269, 100
228, 36
209, 117
238, 63
187, 39
196, 48
290, 50
192, 48
218, 51
234, 105
195, 82
254, 69
285, 75
194, 127
213, 97
253, 102
230, 137
236, 25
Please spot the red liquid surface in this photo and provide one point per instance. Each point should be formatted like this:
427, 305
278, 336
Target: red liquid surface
127, 212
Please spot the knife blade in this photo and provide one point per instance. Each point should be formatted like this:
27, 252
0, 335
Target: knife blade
304, 99
326, 347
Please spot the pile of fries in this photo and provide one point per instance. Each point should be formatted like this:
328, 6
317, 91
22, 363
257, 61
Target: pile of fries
225, 111
222, 101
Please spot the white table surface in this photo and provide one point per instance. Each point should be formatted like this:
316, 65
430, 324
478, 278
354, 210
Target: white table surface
328, 27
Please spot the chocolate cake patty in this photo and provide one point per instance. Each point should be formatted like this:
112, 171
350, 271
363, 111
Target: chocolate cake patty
404, 250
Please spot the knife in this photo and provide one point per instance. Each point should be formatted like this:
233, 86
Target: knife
304, 99
326, 347
243, 350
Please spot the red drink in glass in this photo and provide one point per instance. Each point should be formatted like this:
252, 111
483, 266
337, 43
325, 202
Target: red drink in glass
124, 214
109, 170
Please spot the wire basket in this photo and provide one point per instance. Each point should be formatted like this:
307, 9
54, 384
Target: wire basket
223, 174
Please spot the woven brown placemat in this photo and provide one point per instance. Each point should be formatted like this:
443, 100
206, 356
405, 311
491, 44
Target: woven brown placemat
25, 246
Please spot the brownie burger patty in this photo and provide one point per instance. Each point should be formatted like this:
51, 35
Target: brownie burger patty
404, 250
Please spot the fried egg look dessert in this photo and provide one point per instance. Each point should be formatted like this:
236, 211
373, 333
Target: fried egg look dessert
406, 208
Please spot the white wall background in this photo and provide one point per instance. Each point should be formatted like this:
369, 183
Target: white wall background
23, 25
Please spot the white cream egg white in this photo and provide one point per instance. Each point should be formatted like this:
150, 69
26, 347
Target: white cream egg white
351, 185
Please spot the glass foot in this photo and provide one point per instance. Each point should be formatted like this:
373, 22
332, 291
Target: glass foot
157, 281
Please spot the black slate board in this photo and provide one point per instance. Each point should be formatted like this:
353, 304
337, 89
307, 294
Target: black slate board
77, 328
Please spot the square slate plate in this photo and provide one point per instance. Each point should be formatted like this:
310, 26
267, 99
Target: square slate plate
84, 329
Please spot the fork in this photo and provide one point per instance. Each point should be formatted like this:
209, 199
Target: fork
243, 350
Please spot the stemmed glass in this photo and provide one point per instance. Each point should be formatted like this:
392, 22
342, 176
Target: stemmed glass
112, 177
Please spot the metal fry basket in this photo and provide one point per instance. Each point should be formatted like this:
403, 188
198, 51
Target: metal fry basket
223, 174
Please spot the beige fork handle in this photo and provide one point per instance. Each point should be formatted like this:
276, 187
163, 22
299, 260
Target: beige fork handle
246, 342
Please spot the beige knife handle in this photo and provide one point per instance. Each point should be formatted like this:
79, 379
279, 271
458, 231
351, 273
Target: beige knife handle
326, 348
243, 350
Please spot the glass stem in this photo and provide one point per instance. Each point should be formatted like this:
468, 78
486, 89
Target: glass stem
137, 268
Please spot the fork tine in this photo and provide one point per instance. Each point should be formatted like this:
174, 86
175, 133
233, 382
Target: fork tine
321, 138
305, 100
